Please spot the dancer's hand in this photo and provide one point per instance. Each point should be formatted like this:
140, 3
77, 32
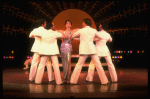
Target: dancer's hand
62, 32
73, 31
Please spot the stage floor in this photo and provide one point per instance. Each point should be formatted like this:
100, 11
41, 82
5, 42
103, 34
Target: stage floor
131, 83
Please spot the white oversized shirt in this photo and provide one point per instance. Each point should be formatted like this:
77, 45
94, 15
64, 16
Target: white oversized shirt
87, 35
49, 42
101, 47
37, 43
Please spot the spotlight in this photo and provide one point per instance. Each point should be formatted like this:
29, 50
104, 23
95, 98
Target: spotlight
121, 57
116, 51
118, 57
12, 57
113, 57
9, 56
12, 52
138, 51
124, 51
130, 51
142, 51
27, 56
119, 51
4, 57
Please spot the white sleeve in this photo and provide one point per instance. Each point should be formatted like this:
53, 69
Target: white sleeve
37, 33
58, 35
110, 39
31, 34
97, 34
76, 33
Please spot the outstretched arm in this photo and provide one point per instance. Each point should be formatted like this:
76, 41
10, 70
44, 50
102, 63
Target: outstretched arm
62, 32
73, 32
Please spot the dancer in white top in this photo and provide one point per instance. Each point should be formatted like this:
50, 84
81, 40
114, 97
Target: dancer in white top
102, 51
49, 48
35, 48
87, 48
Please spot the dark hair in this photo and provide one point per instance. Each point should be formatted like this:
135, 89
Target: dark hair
41, 21
49, 25
104, 25
69, 21
87, 21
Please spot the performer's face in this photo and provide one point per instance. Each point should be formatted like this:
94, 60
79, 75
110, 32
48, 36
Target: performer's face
44, 25
68, 25
53, 28
83, 24
100, 27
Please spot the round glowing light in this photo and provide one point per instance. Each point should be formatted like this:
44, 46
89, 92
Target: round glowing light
12, 52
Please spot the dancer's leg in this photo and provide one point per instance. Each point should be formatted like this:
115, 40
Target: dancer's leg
40, 70
49, 70
56, 69
111, 68
33, 67
100, 69
77, 69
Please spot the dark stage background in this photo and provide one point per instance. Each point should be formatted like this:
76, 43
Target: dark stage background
128, 24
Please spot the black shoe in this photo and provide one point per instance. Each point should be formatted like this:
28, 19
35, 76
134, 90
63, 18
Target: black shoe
31, 81
72, 84
51, 81
115, 82
38, 83
63, 83
89, 81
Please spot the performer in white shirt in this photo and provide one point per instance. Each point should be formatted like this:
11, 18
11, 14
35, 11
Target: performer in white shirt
103, 51
87, 48
35, 48
49, 48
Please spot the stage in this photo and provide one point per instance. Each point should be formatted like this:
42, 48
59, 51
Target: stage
132, 82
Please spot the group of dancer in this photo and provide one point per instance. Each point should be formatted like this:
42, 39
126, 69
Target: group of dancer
46, 52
